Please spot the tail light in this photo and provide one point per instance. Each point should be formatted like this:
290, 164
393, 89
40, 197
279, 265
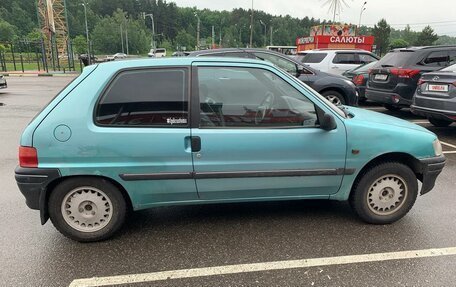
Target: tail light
358, 80
404, 73
28, 156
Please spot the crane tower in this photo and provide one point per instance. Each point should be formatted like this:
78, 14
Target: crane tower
52, 17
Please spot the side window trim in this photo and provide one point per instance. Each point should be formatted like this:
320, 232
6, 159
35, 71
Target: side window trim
188, 93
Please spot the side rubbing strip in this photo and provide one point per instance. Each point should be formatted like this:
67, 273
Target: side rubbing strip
157, 176
236, 174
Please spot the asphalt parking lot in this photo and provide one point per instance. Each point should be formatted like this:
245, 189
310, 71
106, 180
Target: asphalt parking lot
419, 250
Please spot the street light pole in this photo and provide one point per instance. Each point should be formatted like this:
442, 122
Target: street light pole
152, 44
363, 8
265, 31
121, 37
197, 32
251, 27
87, 33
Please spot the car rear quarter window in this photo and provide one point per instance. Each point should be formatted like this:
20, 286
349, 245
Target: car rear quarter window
437, 59
153, 97
313, 58
345, 58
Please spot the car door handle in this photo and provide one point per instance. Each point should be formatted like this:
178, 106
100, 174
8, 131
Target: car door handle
334, 67
196, 144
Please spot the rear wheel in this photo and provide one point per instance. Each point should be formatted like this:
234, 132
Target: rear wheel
439, 122
334, 97
87, 209
392, 107
384, 193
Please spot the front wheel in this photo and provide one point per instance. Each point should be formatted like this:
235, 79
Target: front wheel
384, 193
87, 209
439, 122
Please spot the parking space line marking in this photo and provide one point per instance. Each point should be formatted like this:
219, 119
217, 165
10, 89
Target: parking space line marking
448, 152
257, 267
419, 122
375, 109
447, 144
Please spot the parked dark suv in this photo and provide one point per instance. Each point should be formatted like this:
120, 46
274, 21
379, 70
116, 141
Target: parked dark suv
337, 89
435, 97
394, 79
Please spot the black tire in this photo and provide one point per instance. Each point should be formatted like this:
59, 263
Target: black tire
392, 107
329, 95
114, 221
361, 200
439, 122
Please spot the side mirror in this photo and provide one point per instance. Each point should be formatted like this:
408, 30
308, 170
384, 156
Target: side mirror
301, 70
328, 123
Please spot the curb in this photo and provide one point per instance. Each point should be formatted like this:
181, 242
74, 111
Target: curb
41, 75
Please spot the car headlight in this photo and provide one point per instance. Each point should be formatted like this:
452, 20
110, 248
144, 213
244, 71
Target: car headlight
437, 147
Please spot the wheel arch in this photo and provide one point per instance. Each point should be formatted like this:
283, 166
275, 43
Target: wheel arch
44, 198
399, 157
335, 89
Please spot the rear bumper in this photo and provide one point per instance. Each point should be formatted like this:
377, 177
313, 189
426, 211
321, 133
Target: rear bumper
433, 113
386, 97
32, 183
3, 85
431, 168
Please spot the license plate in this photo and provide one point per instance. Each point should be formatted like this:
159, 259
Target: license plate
438, 88
381, 77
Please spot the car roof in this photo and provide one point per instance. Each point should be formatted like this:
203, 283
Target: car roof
175, 61
418, 48
337, 50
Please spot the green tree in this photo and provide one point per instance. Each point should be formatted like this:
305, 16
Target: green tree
427, 37
184, 39
80, 45
381, 32
398, 43
7, 31
409, 35
35, 35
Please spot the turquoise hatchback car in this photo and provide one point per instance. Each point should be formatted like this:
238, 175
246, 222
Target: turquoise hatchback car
145, 133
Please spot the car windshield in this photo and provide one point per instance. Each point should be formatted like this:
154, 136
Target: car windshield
314, 57
451, 68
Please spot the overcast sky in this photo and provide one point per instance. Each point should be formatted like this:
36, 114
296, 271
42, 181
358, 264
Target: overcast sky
440, 14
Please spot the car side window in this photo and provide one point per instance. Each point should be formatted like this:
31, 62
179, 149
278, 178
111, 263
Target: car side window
345, 58
366, 58
232, 97
152, 97
452, 57
280, 62
437, 59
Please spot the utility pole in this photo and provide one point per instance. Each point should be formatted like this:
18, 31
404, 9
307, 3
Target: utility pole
213, 37
121, 37
126, 33
270, 38
197, 32
87, 33
251, 27
363, 8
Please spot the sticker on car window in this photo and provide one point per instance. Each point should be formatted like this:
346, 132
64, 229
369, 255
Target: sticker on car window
173, 121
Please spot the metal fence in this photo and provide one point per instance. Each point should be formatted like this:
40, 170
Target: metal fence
26, 55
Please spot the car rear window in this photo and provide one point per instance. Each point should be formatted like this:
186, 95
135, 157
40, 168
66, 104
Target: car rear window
314, 57
396, 59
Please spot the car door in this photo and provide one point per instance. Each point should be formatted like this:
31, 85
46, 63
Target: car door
259, 136
143, 134
342, 62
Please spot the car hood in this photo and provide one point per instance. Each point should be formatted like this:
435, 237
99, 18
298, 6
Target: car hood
367, 116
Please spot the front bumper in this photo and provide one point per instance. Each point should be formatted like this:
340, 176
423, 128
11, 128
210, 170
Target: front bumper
430, 169
3, 85
33, 183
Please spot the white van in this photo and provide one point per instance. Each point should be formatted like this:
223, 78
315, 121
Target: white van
157, 53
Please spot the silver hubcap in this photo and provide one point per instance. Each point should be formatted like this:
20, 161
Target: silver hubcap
334, 99
387, 194
87, 209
